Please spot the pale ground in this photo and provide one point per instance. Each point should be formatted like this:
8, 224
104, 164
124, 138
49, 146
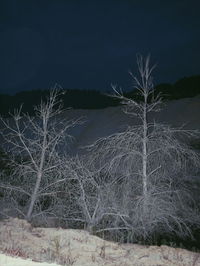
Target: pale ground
24, 243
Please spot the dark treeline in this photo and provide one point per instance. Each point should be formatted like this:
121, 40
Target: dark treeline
73, 98
184, 88
91, 99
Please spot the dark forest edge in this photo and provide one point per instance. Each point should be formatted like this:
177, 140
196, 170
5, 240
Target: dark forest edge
186, 87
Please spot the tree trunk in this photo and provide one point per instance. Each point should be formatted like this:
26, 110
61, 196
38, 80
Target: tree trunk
144, 152
34, 197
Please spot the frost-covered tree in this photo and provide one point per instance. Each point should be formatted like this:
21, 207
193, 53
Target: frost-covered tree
149, 164
36, 148
89, 203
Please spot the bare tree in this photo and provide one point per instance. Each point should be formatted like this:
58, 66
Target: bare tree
148, 164
36, 147
89, 191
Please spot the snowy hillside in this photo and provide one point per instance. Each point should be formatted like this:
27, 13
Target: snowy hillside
103, 122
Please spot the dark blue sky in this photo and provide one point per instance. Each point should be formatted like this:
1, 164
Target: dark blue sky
89, 44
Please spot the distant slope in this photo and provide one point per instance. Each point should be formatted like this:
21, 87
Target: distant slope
103, 122
100, 123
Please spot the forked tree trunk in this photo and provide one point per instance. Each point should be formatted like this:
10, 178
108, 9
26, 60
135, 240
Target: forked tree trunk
39, 172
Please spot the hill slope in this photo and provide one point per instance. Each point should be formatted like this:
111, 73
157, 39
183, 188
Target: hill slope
103, 122
79, 248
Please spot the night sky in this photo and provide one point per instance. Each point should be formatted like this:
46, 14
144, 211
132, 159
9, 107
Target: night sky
89, 44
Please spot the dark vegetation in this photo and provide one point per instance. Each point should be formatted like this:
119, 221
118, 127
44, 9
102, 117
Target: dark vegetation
91, 99
76, 99
186, 87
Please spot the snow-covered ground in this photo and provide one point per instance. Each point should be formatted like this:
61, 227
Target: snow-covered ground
17, 261
78, 248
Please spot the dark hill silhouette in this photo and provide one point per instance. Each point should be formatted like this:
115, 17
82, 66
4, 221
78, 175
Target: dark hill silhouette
77, 99
186, 87
91, 99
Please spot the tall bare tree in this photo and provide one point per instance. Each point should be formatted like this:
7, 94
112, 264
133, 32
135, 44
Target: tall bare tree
149, 163
36, 147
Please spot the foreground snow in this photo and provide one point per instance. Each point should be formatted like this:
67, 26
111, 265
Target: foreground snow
55, 246
13, 261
